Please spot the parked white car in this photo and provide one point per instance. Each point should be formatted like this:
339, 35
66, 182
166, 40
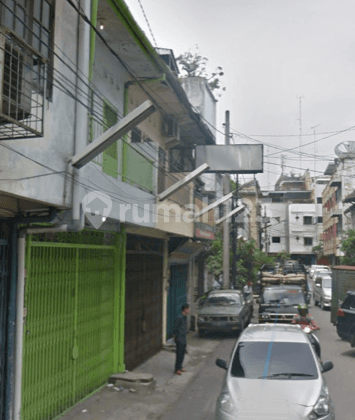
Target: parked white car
317, 267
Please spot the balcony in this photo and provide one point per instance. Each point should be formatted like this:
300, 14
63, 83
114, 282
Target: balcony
131, 162
337, 211
335, 182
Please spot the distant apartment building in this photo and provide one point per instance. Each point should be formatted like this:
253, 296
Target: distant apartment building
292, 221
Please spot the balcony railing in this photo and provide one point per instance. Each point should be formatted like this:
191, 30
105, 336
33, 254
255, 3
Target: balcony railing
134, 163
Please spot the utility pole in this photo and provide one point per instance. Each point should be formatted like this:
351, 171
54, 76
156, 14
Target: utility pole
234, 236
282, 164
314, 146
226, 252
265, 233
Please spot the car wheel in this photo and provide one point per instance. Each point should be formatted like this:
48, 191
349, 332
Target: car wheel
315, 300
322, 305
340, 335
201, 333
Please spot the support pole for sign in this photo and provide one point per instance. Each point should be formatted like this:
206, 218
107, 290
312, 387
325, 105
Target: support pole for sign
234, 238
226, 252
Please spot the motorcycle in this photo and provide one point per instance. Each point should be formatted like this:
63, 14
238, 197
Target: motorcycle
308, 329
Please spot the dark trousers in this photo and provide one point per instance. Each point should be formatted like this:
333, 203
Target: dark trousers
180, 353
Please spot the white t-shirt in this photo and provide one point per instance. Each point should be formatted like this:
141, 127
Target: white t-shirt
247, 289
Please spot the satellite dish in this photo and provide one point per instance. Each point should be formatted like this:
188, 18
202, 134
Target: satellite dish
345, 150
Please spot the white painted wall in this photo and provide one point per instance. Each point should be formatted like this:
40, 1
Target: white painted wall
297, 228
277, 215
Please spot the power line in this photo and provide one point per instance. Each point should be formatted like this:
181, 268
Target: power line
57, 83
146, 19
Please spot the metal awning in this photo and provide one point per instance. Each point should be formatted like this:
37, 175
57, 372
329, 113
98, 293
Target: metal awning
350, 198
186, 252
350, 209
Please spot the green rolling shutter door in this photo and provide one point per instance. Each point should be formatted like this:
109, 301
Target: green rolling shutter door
69, 327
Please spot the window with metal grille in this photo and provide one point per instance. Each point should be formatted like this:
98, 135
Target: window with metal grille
110, 161
320, 219
181, 159
276, 239
162, 170
136, 135
307, 220
308, 241
31, 20
110, 119
220, 211
319, 200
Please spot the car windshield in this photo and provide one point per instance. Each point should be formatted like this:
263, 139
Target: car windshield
327, 282
223, 300
283, 296
322, 273
274, 360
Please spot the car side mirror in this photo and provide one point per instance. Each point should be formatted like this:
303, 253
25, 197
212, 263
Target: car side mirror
327, 366
222, 363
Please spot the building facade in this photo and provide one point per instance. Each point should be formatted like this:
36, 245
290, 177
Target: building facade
89, 242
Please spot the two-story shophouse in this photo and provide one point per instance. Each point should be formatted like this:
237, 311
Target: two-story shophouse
89, 113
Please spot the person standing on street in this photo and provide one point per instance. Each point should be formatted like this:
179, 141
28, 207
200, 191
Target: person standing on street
248, 288
180, 331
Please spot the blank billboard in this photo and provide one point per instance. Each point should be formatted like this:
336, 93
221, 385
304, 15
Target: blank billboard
234, 158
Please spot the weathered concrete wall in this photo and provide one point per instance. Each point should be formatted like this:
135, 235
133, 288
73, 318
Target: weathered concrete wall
56, 147
201, 98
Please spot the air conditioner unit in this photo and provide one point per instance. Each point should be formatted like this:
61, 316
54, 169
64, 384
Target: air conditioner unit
15, 82
171, 130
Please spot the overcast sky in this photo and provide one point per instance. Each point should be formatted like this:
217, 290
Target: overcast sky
272, 53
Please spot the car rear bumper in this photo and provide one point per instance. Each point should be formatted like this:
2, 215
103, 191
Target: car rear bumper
279, 318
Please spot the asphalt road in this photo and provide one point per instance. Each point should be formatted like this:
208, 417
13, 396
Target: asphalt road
198, 400
341, 380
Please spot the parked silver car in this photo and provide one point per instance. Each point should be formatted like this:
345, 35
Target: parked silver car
274, 373
322, 291
225, 311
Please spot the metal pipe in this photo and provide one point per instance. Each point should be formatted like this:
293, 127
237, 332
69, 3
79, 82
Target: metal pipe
11, 372
74, 226
165, 288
